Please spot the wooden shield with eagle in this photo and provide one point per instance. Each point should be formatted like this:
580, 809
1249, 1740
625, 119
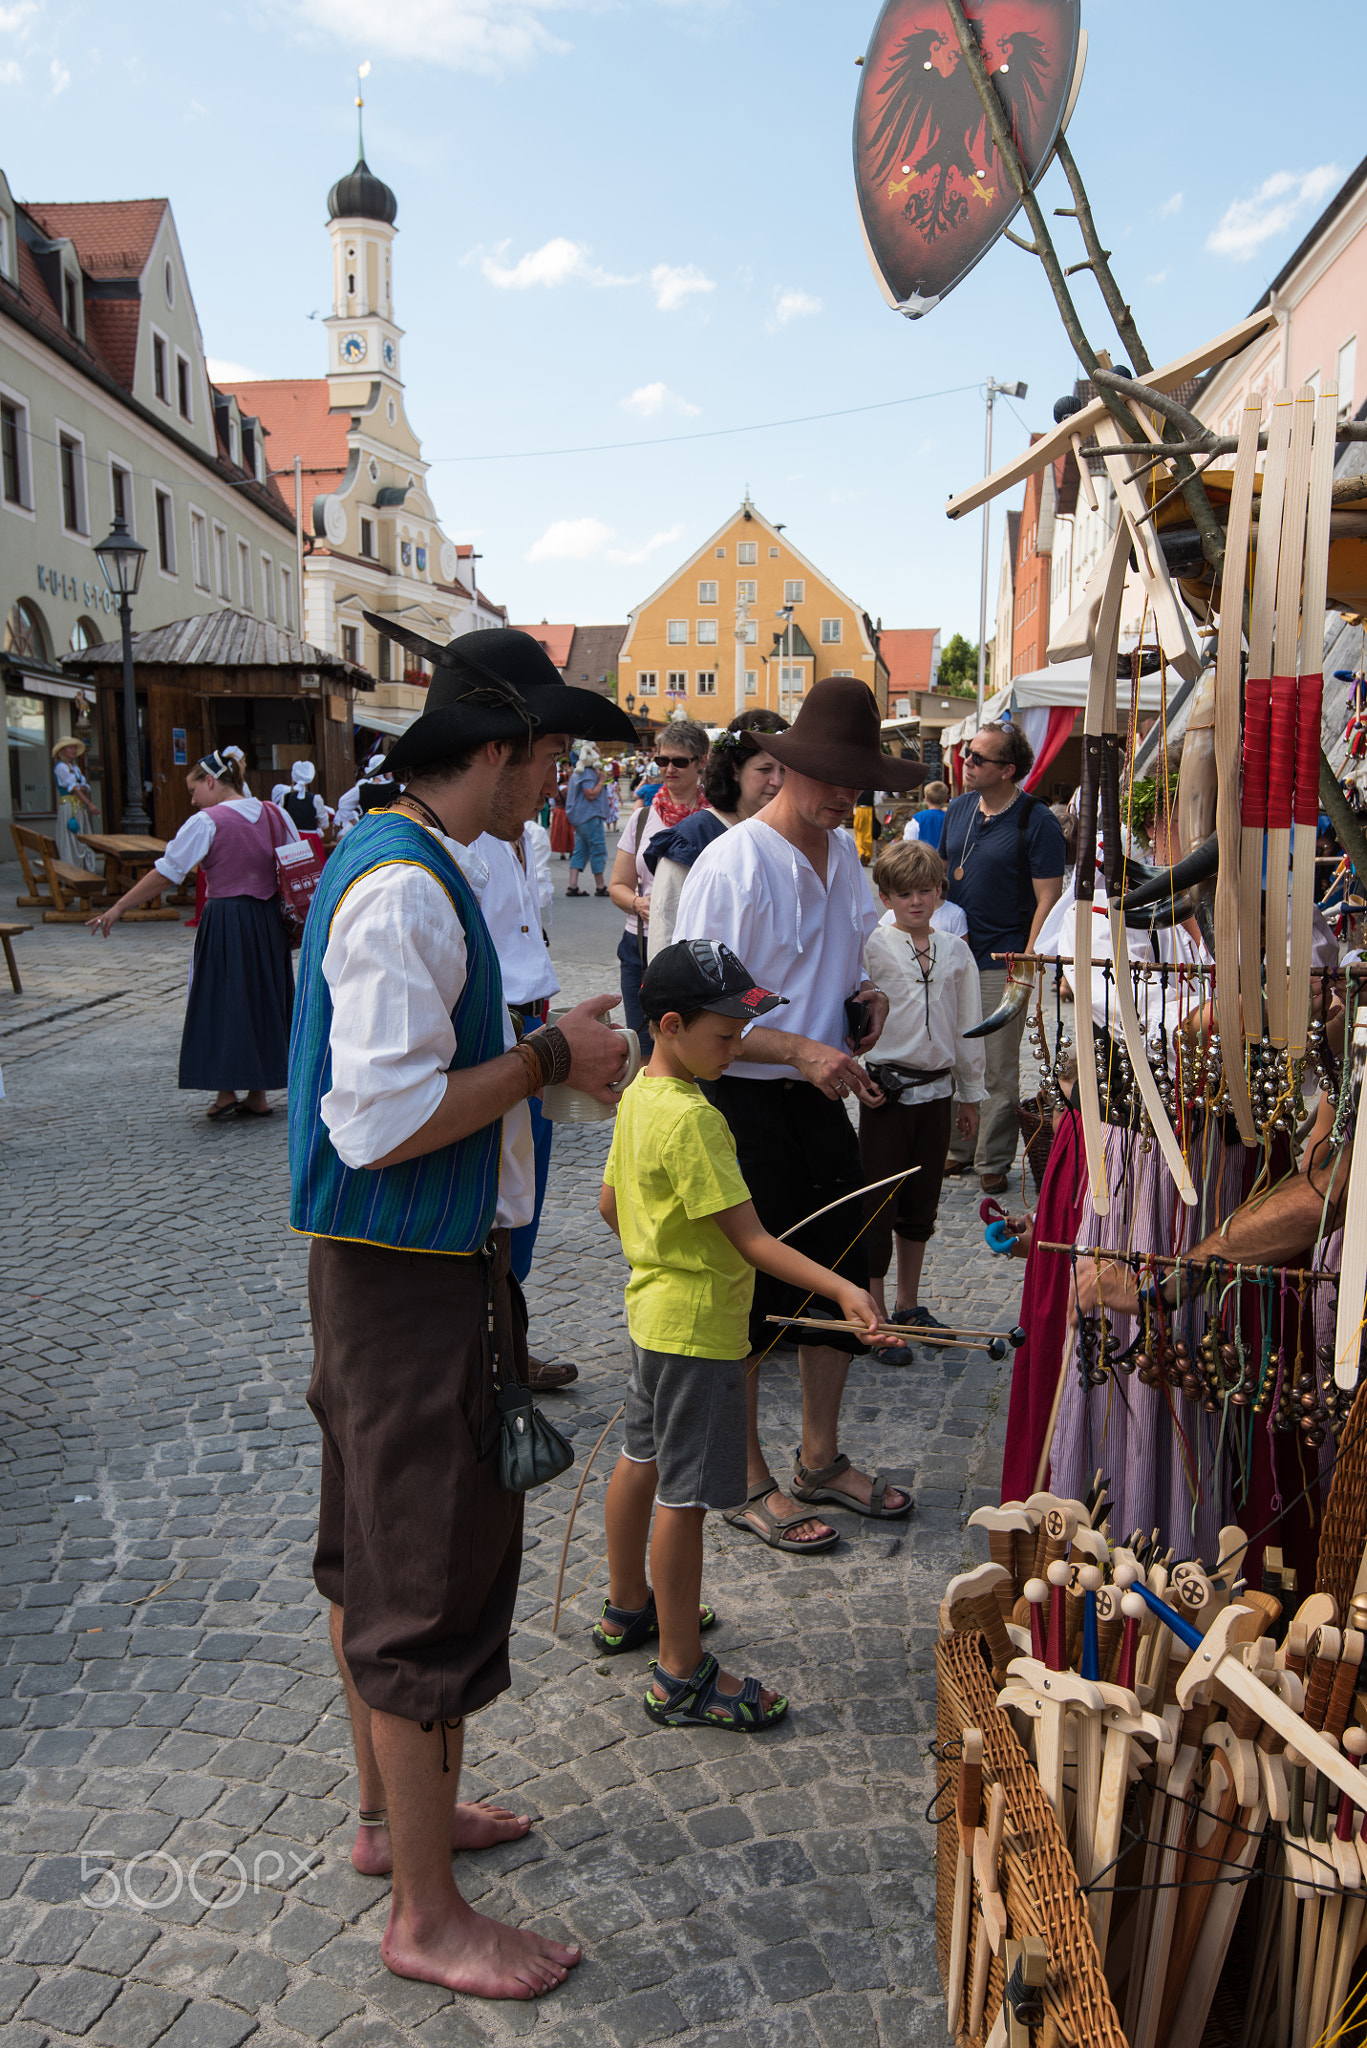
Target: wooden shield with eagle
933, 196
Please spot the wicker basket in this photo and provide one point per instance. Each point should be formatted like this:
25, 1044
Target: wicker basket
1344, 1534
1039, 1882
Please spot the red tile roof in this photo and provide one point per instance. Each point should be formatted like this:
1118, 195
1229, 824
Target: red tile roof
295, 413
907, 650
557, 641
113, 237
111, 332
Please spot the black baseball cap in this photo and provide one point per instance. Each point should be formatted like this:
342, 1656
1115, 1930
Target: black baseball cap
697, 974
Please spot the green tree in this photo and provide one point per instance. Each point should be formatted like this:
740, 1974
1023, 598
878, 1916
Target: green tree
959, 667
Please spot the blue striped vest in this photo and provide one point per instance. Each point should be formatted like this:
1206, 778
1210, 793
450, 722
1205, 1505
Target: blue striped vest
445, 1201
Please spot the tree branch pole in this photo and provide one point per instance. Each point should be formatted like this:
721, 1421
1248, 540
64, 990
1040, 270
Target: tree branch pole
1347, 825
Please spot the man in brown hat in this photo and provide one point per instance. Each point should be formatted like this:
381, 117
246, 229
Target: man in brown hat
785, 891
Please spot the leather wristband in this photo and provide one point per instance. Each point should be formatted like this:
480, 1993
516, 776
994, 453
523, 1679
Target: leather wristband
552, 1050
531, 1066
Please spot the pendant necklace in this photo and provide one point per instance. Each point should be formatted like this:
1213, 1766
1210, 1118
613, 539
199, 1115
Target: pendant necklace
969, 842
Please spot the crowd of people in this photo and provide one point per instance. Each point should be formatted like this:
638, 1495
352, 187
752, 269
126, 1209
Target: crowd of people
771, 1004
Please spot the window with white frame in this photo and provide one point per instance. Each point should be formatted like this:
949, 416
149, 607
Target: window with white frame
286, 599
750, 632
707, 593
183, 395
773, 554
747, 590
707, 632
16, 476
752, 682
199, 549
368, 537
234, 442
71, 464
747, 553
676, 633
648, 683
791, 678
244, 575
832, 632
267, 588
351, 650
121, 493
721, 554
71, 303
161, 368
707, 682
166, 530
842, 671
795, 591
676, 682
1347, 373
221, 571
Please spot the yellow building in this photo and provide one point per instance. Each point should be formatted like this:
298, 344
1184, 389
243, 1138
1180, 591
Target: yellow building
747, 622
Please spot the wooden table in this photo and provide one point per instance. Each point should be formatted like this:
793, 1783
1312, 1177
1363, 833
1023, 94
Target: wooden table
127, 856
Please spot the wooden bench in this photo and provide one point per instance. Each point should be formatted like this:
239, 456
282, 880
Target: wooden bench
8, 934
70, 890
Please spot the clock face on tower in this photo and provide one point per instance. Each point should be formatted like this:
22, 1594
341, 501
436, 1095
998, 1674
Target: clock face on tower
391, 355
353, 348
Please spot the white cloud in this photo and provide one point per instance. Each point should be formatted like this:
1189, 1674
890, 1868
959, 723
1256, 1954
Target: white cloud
222, 372
1248, 223
631, 556
555, 262
61, 77
1170, 207
675, 283
486, 36
14, 21
10, 72
571, 540
794, 305
652, 399
1158, 277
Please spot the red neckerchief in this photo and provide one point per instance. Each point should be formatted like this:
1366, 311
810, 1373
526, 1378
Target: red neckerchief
671, 813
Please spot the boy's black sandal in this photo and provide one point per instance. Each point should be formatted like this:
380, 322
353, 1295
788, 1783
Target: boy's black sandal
697, 1702
637, 1627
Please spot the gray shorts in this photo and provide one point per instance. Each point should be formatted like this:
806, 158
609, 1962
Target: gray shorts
687, 1417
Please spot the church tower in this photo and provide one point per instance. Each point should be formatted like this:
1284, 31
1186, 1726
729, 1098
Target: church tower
362, 335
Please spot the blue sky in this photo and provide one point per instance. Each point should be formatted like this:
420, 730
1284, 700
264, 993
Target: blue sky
622, 220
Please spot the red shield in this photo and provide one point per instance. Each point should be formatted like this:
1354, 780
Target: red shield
933, 195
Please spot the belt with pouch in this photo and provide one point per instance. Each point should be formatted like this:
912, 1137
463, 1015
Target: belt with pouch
894, 1079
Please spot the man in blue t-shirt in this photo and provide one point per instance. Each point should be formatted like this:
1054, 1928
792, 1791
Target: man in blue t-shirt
1004, 854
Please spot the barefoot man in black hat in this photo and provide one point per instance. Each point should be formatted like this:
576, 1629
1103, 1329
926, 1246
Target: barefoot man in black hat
411, 1160
786, 893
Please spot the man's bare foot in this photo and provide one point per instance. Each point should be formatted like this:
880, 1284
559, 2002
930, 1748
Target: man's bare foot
482, 1957
473, 1826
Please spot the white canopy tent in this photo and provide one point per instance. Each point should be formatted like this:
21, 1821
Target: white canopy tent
1064, 684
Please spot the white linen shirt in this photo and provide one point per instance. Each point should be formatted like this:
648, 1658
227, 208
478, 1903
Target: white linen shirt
753, 891
511, 903
926, 1021
196, 836
395, 964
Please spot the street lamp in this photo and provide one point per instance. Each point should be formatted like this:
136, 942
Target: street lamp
1007, 391
121, 559
631, 703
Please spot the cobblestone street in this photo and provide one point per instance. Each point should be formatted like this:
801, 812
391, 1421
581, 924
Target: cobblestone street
167, 1693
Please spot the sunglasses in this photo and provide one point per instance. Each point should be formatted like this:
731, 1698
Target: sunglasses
984, 760
673, 760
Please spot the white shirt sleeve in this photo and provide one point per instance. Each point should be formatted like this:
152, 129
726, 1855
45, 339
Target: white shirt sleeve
970, 1054
670, 877
188, 848
539, 839
395, 963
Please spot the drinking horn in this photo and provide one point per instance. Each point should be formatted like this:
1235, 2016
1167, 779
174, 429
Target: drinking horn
1015, 996
1197, 866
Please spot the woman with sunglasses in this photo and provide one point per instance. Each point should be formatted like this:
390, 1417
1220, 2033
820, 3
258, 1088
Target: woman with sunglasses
683, 747
739, 778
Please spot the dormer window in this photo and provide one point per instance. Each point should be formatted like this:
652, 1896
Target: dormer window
234, 442
71, 303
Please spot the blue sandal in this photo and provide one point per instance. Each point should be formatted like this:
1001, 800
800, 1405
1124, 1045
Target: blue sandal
638, 1626
696, 1702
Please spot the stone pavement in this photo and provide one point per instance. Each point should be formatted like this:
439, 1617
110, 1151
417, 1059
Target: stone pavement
167, 1697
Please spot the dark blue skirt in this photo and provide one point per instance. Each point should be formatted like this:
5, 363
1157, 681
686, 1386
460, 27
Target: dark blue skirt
237, 1019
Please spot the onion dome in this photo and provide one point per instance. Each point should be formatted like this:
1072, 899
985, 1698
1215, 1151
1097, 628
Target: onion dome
360, 195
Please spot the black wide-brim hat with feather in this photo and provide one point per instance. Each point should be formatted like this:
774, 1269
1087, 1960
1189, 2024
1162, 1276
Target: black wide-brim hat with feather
498, 684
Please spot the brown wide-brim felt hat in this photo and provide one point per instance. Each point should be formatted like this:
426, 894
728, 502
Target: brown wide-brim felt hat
836, 738
498, 684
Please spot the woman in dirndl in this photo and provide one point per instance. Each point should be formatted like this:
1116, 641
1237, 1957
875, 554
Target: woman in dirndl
77, 810
237, 1016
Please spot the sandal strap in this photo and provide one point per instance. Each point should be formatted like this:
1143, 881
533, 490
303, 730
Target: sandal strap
822, 1477
684, 1692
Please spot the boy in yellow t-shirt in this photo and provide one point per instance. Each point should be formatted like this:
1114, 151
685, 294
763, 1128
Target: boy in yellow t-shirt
674, 1194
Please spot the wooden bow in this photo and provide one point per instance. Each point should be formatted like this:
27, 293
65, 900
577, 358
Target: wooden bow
1228, 669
